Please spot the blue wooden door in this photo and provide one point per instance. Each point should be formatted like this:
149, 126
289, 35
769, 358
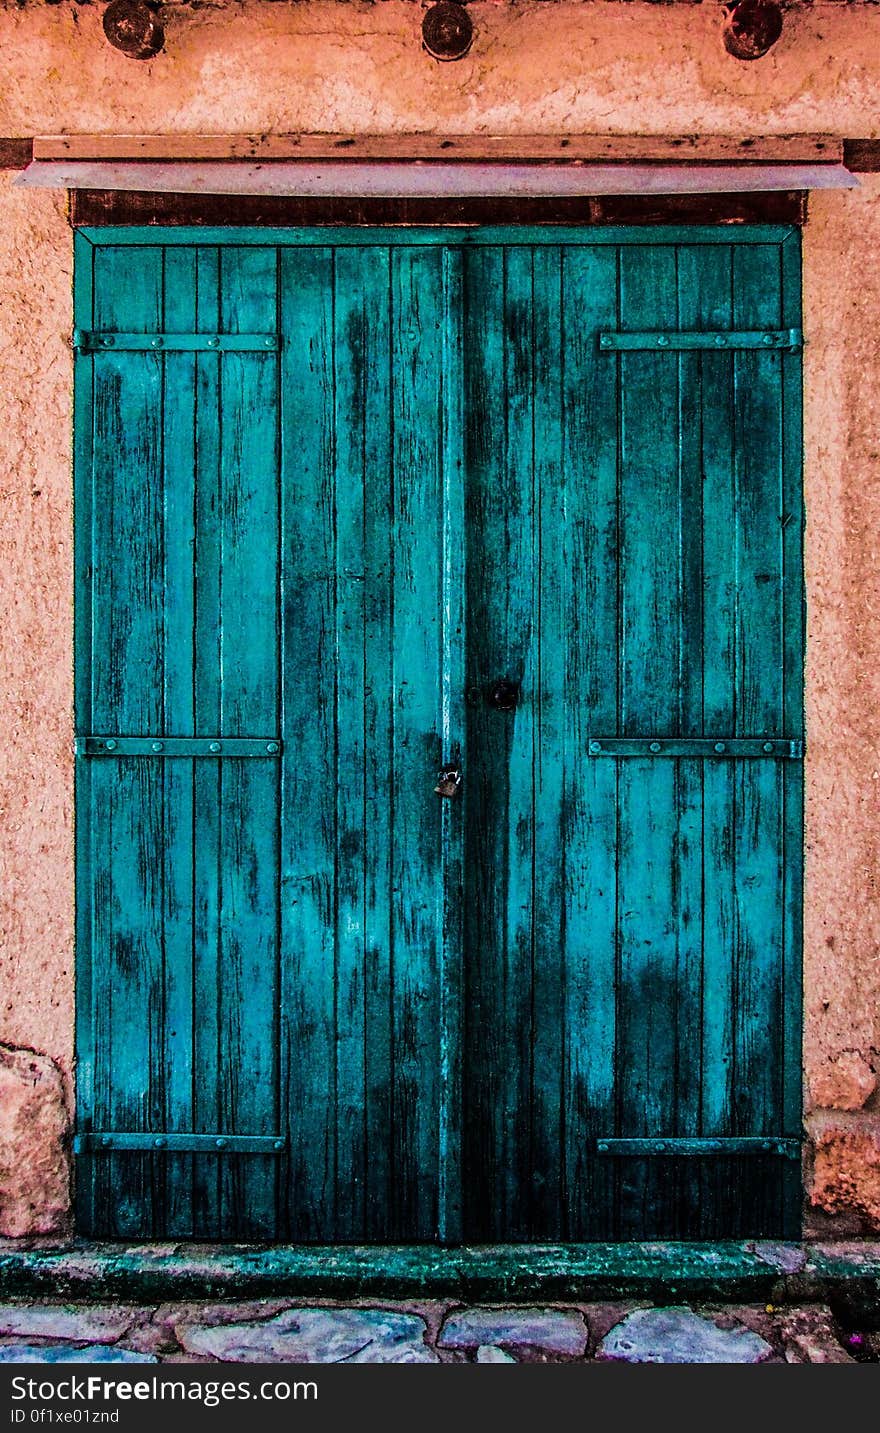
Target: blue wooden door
356, 507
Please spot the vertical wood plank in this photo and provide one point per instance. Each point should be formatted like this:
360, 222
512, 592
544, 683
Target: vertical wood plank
450, 909
178, 417
354, 378
498, 531
703, 279
308, 798
417, 301
758, 842
552, 638
706, 276
248, 519
207, 708
588, 853
127, 667
512, 547
650, 703
375, 788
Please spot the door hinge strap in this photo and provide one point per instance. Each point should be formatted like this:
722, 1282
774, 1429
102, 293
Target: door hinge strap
87, 340
772, 338
640, 1148
178, 746
120, 1141
727, 746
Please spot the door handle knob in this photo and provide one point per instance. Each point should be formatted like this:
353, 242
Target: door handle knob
504, 695
448, 780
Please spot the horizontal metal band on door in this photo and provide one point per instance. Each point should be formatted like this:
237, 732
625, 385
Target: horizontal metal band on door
99, 341
734, 1145
123, 1141
177, 746
764, 338
767, 747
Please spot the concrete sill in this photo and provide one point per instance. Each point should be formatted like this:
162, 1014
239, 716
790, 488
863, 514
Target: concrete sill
830, 1272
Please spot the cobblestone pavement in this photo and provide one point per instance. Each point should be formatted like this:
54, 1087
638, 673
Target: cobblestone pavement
376, 1331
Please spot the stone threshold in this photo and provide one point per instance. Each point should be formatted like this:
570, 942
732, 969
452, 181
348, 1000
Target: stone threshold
836, 1272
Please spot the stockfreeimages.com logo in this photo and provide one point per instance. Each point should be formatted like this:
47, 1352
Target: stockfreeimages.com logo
98, 1389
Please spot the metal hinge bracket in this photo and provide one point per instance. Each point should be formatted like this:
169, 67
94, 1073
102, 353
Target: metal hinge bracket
726, 1145
163, 746
710, 746
87, 340
123, 1141
718, 339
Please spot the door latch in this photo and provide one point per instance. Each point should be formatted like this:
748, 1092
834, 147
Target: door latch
448, 780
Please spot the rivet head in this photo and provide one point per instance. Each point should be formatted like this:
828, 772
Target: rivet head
107, 342
213, 343
768, 746
159, 1143
604, 341
158, 746
221, 1143
156, 342
271, 747
279, 1144
215, 746
655, 746
110, 745
719, 746
663, 341
595, 746
106, 1141
270, 342
769, 338
720, 340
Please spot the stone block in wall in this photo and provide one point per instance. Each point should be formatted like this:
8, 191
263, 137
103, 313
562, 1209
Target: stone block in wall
34, 1145
844, 1083
846, 1170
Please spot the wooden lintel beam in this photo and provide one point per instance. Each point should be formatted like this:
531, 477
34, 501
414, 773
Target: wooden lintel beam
702, 149
862, 156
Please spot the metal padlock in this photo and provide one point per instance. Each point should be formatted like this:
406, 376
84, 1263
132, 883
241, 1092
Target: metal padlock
449, 780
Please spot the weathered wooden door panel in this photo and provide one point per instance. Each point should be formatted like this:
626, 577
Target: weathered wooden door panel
383, 472
372, 636
177, 1017
633, 564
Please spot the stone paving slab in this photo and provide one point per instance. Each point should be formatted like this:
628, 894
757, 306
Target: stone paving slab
316, 1335
489, 1353
69, 1353
558, 1331
87, 1323
681, 1335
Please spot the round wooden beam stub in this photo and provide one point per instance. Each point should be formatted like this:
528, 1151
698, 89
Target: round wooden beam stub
751, 27
447, 30
133, 27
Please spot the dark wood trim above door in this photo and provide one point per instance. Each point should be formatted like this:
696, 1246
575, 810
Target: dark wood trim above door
123, 207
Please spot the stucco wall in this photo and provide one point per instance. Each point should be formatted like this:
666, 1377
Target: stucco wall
600, 67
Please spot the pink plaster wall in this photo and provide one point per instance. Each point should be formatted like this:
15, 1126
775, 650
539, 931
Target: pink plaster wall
592, 67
